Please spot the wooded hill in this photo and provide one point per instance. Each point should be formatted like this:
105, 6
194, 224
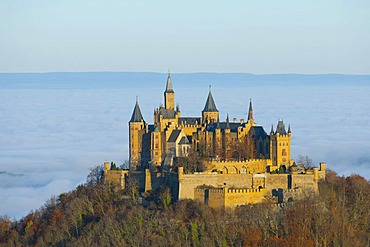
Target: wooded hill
98, 214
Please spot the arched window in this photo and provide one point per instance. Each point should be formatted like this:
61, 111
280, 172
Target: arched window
284, 152
233, 170
243, 170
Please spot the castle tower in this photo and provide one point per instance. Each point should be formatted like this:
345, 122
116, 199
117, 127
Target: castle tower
156, 147
210, 112
280, 145
169, 94
137, 128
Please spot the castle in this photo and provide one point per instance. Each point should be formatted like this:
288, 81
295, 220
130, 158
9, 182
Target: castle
240, 160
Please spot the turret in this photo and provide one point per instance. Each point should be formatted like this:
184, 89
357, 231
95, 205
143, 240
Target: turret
210, 112
280, 145
156, 147
137, 128
169, 94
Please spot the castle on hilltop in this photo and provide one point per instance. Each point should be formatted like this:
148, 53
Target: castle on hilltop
172, 136
241, 163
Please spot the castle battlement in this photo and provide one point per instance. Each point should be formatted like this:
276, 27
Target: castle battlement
244, 191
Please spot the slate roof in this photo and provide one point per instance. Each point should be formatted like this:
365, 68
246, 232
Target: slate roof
223, 125
136, 114
189, 120
258, 132
250, 111
210, 104
280, 129
167, 113
174, 135
169, 88
151, 127
184, 140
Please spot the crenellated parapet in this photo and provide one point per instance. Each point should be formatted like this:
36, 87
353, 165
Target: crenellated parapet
248, 166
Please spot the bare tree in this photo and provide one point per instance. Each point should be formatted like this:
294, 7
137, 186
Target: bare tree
305, 160
96, 175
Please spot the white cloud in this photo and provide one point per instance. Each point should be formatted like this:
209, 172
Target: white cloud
53, 131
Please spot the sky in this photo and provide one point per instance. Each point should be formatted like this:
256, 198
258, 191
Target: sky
262, 37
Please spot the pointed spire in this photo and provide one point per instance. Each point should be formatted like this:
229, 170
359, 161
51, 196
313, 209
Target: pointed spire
136, 114
227, 122
272, 129
289, 130
169, 88
250, 112
210, 103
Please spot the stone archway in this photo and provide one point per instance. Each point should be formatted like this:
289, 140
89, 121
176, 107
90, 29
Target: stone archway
243, 170
225, 170
233, 170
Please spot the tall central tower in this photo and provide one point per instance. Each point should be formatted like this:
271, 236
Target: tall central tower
169, 94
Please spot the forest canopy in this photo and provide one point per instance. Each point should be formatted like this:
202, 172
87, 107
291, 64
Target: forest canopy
99, 214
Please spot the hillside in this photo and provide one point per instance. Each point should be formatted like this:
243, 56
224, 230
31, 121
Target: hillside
97, 214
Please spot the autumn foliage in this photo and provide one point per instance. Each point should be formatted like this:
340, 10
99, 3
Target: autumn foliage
98, 214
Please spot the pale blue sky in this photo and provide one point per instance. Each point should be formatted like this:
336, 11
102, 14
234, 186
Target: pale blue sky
305, 36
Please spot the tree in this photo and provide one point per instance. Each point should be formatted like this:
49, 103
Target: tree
305, 160
133, 187
96, 175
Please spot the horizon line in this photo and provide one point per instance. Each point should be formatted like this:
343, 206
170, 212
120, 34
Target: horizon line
198, 72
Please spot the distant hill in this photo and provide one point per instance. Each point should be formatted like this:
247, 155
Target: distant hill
93, 80
97, 214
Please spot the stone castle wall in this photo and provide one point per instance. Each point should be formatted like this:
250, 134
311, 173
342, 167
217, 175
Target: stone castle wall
246, 166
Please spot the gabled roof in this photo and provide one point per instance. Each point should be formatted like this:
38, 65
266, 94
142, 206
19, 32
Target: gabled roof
184, 140
210, 104
136, 114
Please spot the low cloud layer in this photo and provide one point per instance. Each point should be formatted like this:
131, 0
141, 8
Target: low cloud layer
52, 130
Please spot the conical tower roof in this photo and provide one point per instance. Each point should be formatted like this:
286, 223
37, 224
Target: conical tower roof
280, 129
136, 114
227, 122
210, 103
169, 88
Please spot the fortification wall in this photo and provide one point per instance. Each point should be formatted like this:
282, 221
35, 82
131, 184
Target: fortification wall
191, 181
235, 197
116, 176
276, 181
216, 198
304, 181
199, 195
246, 166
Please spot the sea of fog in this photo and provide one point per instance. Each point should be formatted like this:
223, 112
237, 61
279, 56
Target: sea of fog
55, 126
